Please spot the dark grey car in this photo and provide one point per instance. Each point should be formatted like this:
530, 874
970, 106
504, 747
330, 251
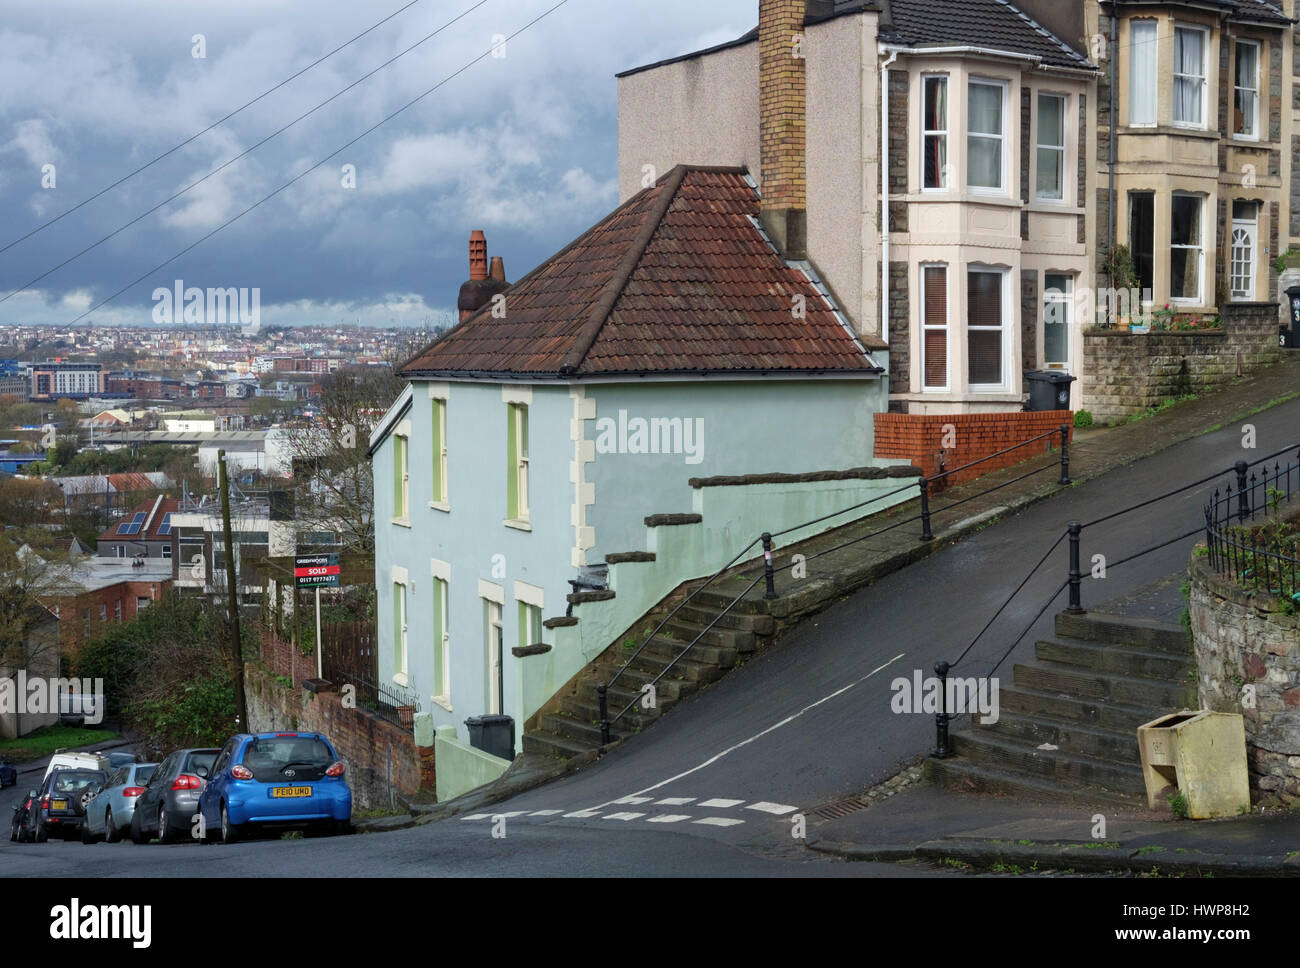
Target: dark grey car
170, 801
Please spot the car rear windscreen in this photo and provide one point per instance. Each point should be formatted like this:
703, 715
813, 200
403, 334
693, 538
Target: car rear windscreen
142, 773
204, 759
70, 781
269, 757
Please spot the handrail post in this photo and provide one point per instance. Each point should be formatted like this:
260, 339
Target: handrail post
926, 534
1243, 502
1076, 576
1065, 454
768, 572
604, 714
941, 749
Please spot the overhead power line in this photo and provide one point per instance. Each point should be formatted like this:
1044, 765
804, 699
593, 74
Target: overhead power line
247, 151
266, 198
198, 134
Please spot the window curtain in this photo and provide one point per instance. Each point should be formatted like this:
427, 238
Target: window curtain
1246, 93
1189, 58
1142, 70
984, 154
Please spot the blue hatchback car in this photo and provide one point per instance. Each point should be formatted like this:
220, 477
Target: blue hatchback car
283, 780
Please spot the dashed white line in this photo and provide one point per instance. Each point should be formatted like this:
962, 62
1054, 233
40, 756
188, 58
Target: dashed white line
633, 801
512, 813
721, 803
582, 814
670, 818
545, 813
718, 821
623, 816
780, 809
477, 816
674, 801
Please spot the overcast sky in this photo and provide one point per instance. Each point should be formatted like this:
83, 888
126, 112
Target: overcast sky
523, 146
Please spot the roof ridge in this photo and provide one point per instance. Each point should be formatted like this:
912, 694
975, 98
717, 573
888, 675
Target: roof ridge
601, 308
1043, 30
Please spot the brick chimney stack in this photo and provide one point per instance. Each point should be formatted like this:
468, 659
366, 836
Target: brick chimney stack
483, 283
782, 109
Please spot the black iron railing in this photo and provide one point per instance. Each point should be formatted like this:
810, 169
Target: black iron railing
1256, 493
766, 540
388, 701
1259, 556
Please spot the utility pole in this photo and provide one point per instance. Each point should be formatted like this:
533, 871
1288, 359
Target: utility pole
232, 594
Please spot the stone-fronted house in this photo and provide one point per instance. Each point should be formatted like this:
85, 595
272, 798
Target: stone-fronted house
985, 116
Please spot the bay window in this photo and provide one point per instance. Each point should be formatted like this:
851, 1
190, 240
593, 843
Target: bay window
985, 327
934, 125
1187, 249
985, 135
1142, 60
934, 326
1190, 45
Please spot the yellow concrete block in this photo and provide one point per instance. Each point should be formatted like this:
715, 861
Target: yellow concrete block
1203, 755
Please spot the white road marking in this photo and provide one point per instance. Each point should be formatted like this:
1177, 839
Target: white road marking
718, 821
545, 813
633, 801
623, 816
512, 813
775, 726
780, 809
720, 803
674, 801
670, 818
477, 816
582, 813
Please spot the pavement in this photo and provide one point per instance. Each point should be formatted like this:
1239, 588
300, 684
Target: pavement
927, 823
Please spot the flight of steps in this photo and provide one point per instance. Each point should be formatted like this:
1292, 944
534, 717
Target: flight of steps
570, 725
1087, 691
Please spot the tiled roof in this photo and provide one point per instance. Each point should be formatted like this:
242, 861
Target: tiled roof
169, 505
1260, 10
992, 24
677, 280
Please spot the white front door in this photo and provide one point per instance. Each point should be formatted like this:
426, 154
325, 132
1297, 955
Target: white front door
1244, 251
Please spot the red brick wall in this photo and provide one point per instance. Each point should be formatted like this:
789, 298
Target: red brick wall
381, 759
919, 439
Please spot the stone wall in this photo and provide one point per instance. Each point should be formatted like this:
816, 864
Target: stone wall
1243, 639
920, 439
381, 758
1125, 373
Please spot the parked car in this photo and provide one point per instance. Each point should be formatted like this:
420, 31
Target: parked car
276, 780
8, 775
170, 799
60, 804
18, 826
109, 813
65, 760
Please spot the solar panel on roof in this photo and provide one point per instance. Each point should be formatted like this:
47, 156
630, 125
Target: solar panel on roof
166, 526
132, 526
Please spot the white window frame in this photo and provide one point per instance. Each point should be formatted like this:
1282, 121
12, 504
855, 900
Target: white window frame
1254, 134
441, 604
1063, 148
1004, 86
1065, 300
1136, 48
1004, 329
439, 400
1204, 77
947, 326
496, 648
1199, 300
402, 442
402, 671
945, 170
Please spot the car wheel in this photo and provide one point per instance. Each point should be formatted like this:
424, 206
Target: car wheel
138, 836
165, 833
111, 834
231, 833
41, 835
87, 837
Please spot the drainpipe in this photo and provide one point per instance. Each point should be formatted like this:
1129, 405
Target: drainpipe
1114, 135
884, 193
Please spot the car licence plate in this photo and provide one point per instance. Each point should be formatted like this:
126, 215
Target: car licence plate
277, 792
58, 804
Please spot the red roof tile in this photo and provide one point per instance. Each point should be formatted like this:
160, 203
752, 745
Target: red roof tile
678, 279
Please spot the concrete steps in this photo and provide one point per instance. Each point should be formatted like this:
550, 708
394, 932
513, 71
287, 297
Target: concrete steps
1067, 726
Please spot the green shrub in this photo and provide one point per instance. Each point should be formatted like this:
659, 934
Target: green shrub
1083, 418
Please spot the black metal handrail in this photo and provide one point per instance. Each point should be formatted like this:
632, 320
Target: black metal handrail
768, 575
1246, 508
1236, 549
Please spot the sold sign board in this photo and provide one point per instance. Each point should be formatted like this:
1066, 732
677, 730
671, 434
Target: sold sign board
316, 571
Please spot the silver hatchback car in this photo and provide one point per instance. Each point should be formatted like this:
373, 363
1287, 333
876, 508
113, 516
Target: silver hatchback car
108, 814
